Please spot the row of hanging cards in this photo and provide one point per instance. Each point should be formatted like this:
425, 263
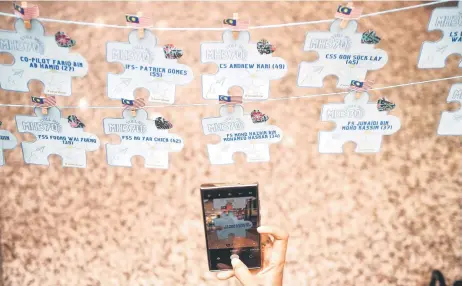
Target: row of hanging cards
151, 139
342, 52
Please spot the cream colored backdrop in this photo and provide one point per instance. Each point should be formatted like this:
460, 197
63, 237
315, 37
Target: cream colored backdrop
354, 219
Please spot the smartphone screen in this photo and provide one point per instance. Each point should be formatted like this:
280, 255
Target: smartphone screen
231, 217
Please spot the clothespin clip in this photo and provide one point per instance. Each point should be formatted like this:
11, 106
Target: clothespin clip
236, 20
26, 13
139, 22
44, 102
133, 104
237, 25
347, 13
230, 100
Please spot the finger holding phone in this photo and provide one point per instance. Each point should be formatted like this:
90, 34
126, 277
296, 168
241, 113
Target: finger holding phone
236, 243
274, 257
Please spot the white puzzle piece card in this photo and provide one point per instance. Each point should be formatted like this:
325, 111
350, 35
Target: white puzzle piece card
449, 21
451, 121
231, 225
145, 66
239, 134
340, 53
55, 135
358, 121
240, 64
38, 57
7, 141
143, 137
228, 223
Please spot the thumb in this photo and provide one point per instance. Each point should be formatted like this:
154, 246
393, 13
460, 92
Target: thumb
242, 273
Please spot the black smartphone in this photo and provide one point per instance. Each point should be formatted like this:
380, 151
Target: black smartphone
231, 217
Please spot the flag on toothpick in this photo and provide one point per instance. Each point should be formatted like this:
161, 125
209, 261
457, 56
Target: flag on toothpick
226, 99
348, 13
138, 21
237, 24
45, 102
26, 13
361, 86
134, 104
231, 22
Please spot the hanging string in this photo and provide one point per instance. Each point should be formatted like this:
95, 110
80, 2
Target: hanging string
102, 25
270, 99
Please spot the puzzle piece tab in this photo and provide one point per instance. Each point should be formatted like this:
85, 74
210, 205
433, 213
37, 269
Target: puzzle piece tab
140, 136
451, 121
145, 67
340, 53
240, 64
449, 21
7, 141
38, 57
239, 134
55, 136
357, 120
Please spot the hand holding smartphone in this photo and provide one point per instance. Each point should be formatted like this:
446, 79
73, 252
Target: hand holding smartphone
231, 215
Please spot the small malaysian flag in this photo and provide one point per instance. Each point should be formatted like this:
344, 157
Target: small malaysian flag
231, 22
361, 86
237, 24
138, 21
226, 99
133, 104
348, 13
44, 102
26, 13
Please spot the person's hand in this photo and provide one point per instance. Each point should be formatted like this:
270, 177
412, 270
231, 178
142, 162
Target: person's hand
274, 258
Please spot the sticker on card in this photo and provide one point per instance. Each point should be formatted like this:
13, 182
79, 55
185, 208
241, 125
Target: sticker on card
241, 63
342, 53
148, 66
55, 136
358, 121
141, 136
38, 57
239, 133
451, 121
448, 20
7, 141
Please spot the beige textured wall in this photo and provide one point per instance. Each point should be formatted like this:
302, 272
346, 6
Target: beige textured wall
355, 219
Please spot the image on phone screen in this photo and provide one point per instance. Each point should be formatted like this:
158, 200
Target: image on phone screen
231, 217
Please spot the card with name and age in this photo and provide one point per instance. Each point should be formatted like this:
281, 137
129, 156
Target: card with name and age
357, 120
240, 63
449, 21
7, 141
55, 136
143, 137
451, 121
38, 57
146, 65
341, 52
240, 133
